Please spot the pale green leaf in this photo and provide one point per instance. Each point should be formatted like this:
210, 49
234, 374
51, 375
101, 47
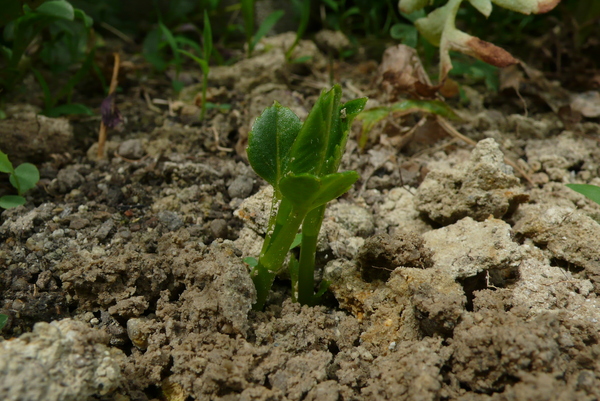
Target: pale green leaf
5, 164
483, 6
266, 26
308, 154
10, 201
591, 192
57, 8
409, 6
270, 141
27, 176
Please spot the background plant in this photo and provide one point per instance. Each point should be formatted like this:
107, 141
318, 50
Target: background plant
300, 160
203, 62
252, 37
53, 32
22, 178
438, 27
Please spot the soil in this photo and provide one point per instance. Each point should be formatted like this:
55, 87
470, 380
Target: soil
454, 275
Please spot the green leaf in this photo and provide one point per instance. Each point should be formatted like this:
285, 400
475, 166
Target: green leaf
5, 164
57, 8
202, 63
308, 153
270, 141
250, 261
333, 186
306, 192
339, 133
10, 201
172, 44
591, 192
3, 318
25, 177
429, 106
247, 7
405, 33
301, 60
67, 109
207, 40
33, 4
300, 189
266, 26
87, 20
45, 88
297, 241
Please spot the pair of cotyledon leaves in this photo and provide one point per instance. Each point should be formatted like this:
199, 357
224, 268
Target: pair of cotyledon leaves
300, 160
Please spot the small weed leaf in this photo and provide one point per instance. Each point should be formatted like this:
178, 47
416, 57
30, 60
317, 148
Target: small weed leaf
5, 164
591, 192
3, 320
270, 141
250, 261
25, 177
59, 9
266, 26
10, 201
69, 109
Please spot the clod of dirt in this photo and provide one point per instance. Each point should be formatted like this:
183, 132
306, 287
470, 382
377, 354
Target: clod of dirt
571, 237
481, 187
132, 149
332, 42
396, 211
382, 253
63, 361
412, 371
344, 227
557, 157
467, 248
495, 350
28, 137
270, 66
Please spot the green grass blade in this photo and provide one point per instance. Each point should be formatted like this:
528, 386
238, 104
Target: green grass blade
207, 38
591, 192
172, 44
5, 164
266, 26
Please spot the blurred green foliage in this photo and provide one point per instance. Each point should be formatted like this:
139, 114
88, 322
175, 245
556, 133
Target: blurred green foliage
50, 32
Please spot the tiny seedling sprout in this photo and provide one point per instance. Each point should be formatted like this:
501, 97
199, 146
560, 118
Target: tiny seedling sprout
301, 161
22, 178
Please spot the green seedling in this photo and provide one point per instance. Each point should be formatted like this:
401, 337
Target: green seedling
304, 7
252, 38
438, 27
23, 178
372, 116
592, 192
203, 62
66, 31
301, 161
3, 320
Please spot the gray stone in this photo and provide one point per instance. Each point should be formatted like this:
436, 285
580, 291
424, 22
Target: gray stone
131, 149
240, 187
170, 220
